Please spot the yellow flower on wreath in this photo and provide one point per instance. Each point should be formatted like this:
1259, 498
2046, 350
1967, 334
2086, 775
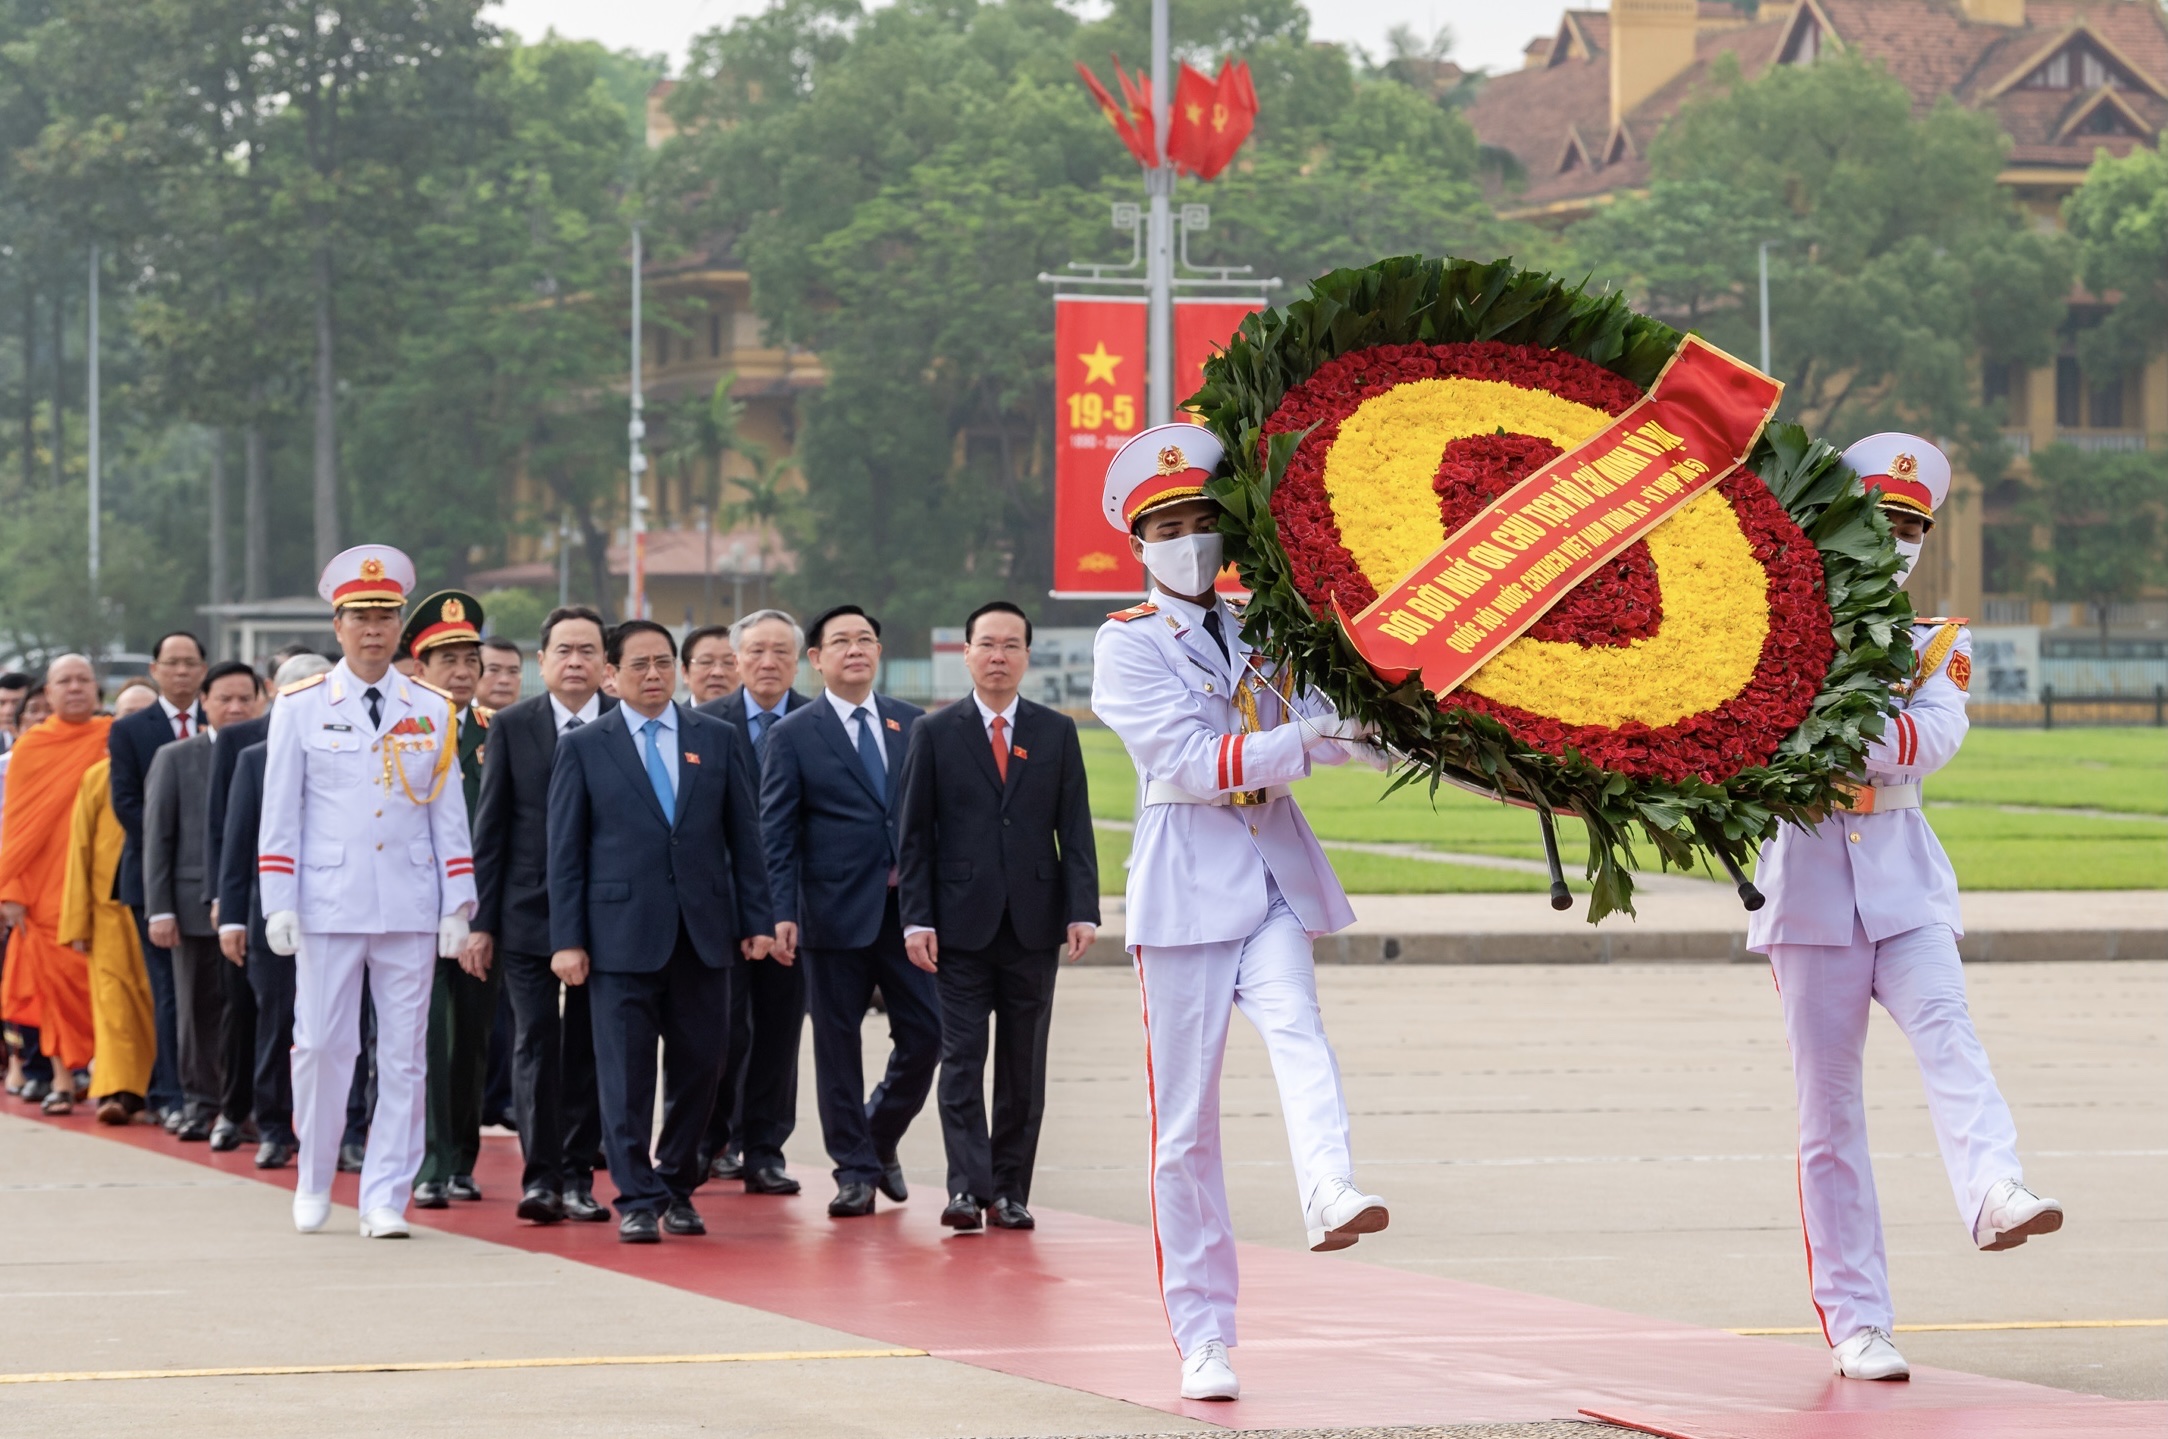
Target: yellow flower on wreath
1378, 478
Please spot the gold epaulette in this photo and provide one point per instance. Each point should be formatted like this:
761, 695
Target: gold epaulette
481, 713
299, 685
1135, 612
1930, 659
1940, 620
444, 695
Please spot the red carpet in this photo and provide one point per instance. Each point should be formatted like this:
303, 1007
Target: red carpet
1328, 1341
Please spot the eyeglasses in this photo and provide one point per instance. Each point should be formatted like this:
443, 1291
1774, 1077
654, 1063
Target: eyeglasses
653, 665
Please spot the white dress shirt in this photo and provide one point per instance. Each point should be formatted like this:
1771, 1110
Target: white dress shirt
666, 743
1007, 716
586, 714
173, 717
847, 712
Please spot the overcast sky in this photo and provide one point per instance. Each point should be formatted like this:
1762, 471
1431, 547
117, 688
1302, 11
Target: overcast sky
1487, 33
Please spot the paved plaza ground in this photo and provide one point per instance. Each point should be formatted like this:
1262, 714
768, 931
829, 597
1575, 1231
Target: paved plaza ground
1615, 1135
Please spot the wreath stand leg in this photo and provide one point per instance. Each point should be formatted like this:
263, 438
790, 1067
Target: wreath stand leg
1749, 896
1561, 897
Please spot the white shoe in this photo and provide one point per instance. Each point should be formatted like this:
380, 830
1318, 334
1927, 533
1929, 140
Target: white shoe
1340, 1214
311, 1211
2012, 1215
1869, 1354
1207, 1374
384, 1223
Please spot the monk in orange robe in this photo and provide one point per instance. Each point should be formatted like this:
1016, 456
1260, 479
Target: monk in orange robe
46, 983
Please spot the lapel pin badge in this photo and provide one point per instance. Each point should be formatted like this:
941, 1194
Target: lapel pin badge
1019, 752
892, 724
691, 758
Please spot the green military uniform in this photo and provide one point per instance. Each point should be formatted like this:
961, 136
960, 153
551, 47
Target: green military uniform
461, 1007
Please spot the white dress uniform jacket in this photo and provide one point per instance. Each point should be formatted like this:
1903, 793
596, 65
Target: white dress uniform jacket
1197, 872
344, 841
1887, 867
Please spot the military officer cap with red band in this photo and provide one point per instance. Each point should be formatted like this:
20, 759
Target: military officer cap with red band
448, 617
1164, 465
1911, 473
367, 576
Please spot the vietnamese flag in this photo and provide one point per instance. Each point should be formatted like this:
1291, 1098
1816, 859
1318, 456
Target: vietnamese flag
1132, 120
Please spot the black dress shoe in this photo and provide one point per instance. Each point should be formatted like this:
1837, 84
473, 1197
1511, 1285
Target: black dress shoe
579, 1203
769, 1179
540, 1204
225, 1135
274, 1154
430, 1195
891, 1180
170, 1121
463, 1187
351, 1157
35, 1090
682, 1218
852, 1201
730, 1164
1008, 1214
194, 1129
963, 1214
638, 1228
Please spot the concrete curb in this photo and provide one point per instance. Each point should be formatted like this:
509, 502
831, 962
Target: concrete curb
1624, 946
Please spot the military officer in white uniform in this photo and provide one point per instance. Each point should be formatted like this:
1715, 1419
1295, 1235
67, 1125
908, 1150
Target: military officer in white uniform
365, 867
1227, 887
1864, 907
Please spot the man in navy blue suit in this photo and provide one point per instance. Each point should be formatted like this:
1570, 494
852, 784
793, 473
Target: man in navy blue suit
177, 668
656, 886
830, 792
756, 1106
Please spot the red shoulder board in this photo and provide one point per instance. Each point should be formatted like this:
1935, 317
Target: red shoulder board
1135, 612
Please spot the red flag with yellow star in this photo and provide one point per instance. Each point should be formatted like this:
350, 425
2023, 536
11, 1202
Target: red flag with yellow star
1131, 120
1211, 118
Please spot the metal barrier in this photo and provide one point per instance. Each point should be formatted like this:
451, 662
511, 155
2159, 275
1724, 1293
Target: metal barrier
2102, 709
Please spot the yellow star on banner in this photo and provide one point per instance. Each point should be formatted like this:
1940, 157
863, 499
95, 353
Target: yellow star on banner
1099, 365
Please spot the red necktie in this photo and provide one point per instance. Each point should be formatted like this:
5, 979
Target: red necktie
182, 717
1001, 746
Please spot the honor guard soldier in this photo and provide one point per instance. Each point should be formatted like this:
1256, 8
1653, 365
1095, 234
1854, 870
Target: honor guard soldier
1863, 907
1227, 888
365, 868
443, 637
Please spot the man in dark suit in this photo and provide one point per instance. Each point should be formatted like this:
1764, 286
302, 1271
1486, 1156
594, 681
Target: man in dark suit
241, 938
553, 1047
657, 885
215, 1011
177, 666
999, 870
756, 1105
829, 794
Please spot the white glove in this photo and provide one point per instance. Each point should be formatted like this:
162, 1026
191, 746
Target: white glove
282, 931
1371, 755
451, 936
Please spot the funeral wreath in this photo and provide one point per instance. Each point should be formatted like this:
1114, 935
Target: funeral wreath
1557, 552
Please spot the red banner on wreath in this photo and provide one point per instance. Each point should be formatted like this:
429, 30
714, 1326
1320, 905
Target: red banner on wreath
1502, 571
1099, 381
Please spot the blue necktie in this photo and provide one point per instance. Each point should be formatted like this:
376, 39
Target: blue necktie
869, 752
657, 774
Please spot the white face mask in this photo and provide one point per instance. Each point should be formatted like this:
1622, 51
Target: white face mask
1909, 552
1185, 565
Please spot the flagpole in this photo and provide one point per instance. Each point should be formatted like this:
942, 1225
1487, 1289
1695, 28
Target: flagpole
1159, 247
636, 465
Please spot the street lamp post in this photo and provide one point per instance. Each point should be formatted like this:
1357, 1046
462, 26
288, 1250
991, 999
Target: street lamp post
636, 466
91, 455
1765, 307
1159, 244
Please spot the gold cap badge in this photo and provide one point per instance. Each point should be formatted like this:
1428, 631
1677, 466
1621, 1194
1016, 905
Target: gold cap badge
1172, 461
1904, 467
453, 612
372, 568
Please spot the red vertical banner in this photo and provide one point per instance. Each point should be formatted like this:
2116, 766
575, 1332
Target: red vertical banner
1099, 380
1202, 329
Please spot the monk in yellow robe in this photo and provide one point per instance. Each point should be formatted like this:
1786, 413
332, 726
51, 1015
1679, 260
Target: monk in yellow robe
47, 984
124, 1025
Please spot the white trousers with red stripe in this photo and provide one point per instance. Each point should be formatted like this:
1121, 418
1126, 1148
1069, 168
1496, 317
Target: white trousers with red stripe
1826, 990
327, 1037
1190, 994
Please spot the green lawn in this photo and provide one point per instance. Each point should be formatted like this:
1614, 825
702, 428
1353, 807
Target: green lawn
2123, 770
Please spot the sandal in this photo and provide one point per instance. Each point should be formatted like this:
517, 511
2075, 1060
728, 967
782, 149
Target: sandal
58, 1102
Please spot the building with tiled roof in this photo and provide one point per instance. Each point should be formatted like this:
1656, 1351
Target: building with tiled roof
2065, 79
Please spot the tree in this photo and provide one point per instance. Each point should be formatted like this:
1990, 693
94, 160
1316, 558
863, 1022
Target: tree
2107, 514
2119, 217
1897, 260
